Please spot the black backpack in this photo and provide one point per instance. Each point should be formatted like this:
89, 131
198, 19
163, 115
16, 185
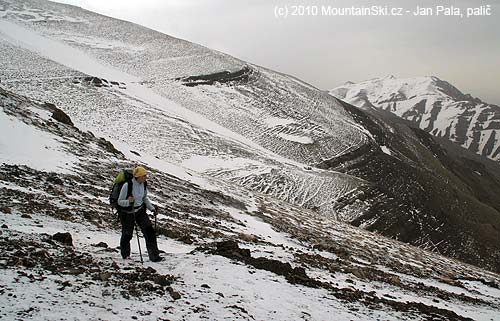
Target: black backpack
125, 176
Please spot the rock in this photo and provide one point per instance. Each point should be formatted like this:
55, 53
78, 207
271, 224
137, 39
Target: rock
101, 244
26, 216
59, 115
205, 286
231, 249
238, 308
104, 276
97, 82
135, 153
108, 146
247, 237
5, 226
447, 280
186, 239
271, 265
161, 280
6, 210
149, 271
394, 279
53, 178
42, 254
175, 295
64, 238
66, 283
358, 273
295, 275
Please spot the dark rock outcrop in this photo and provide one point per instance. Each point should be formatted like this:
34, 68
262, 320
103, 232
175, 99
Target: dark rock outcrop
64, 238
59, 115
220, 77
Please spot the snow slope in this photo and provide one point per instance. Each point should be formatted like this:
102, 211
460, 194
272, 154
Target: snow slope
23, 144
144, 76
435, 105
338, 270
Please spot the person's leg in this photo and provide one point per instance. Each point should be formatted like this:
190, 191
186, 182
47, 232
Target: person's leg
127, 221
148, 231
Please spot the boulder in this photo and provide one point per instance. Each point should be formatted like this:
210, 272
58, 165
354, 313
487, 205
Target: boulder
64, 238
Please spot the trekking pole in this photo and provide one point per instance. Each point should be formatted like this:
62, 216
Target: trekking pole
156, 218
138, 240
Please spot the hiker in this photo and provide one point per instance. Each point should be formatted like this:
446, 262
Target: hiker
132, 209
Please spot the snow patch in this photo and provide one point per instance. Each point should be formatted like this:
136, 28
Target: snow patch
276, 121
24, 144
259, 228
59, 52
386, 150
297, 139
204, 163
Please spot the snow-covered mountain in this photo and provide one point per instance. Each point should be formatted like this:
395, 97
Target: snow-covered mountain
173, 101
230, 253
435, 106
268, 123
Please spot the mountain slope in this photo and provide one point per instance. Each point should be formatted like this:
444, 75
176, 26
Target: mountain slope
230, 253
435, 199
246, 123
265, 131
435, 106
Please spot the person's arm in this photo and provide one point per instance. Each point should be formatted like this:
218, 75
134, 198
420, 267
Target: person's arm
122, 199
148, 203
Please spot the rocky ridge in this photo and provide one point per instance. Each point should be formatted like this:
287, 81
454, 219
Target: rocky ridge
435, 106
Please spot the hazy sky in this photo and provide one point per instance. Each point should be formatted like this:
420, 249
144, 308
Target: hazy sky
327, 50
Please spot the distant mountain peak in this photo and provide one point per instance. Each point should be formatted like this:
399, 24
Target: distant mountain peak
435, 105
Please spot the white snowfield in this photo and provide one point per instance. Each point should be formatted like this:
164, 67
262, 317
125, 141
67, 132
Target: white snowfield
435, 105
364, 276
20, 143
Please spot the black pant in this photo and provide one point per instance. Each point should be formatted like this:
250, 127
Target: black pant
142, 219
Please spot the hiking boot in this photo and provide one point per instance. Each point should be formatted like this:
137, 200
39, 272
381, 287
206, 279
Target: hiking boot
157, 259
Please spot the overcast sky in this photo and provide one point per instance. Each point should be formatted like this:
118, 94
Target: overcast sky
327, 51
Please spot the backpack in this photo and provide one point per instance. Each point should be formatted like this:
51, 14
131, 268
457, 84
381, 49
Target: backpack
125, 176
